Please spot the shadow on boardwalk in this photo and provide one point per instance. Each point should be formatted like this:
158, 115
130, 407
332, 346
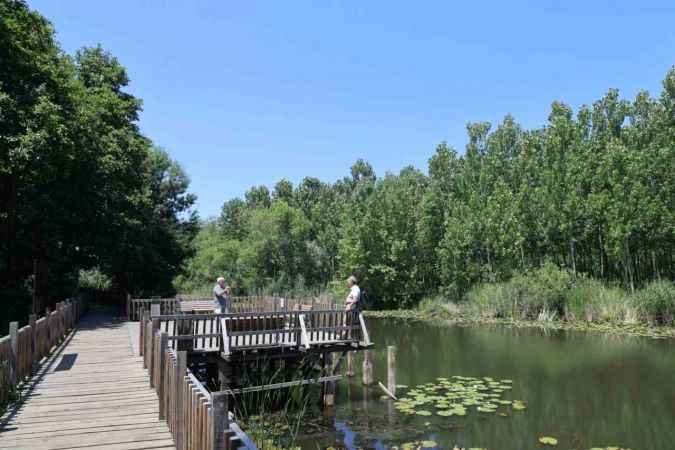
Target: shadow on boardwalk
91, 393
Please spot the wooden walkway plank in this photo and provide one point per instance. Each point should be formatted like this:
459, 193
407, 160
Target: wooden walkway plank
92, 394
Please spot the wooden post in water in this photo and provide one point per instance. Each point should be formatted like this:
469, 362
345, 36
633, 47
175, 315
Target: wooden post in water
350, 364
328, 386
220, 420
367, 369
14, 352
391, 369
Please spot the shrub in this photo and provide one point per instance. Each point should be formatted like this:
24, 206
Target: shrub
542, 290
655, 303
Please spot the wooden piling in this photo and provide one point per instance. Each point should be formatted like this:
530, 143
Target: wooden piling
391, 369
329, 386
367, 369
350, 364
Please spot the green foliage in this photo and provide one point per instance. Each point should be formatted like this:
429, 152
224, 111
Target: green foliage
93, 279
81, 186
656, 303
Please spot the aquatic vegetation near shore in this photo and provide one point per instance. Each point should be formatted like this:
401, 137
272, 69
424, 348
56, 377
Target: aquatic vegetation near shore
463, 319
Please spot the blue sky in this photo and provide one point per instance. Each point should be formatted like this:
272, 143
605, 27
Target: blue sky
249, 92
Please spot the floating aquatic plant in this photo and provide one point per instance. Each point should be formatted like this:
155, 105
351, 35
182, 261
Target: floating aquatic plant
452, 396
547, 440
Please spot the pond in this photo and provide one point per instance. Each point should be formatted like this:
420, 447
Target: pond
584, 389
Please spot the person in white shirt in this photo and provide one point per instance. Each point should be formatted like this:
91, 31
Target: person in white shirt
221, 296
354, 297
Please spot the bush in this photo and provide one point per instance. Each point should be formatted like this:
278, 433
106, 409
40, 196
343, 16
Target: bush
655, 303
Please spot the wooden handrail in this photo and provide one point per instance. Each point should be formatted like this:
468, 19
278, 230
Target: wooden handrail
24, 348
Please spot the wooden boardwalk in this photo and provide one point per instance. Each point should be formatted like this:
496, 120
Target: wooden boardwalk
91, 394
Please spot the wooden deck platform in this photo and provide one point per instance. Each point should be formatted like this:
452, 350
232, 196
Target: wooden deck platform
92, 394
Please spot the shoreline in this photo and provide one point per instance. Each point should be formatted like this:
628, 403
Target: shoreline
449, 319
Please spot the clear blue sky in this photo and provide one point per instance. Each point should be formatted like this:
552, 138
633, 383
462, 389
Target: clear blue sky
249, 92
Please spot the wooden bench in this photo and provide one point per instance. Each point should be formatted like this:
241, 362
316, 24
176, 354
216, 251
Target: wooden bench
197, 306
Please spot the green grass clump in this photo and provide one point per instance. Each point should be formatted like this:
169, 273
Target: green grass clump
591, 301
655, 303
535, 294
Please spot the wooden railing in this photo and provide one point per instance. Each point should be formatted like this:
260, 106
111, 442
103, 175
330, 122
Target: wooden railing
180, 304
23, 349
231, 332
197, 419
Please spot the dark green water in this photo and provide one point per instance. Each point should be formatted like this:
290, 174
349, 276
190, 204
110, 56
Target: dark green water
585, 389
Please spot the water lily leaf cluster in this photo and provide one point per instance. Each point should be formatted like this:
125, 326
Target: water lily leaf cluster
457, 396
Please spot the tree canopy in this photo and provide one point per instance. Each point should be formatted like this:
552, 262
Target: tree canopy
80, 187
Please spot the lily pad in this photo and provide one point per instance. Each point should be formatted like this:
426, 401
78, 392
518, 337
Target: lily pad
547, 440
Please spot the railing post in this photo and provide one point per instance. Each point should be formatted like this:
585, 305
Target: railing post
141, 333
225, 337
181, 368
147, 357
14, 352
163, 375
48, 328
364, 330
220, 421
154, 343
32, 321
